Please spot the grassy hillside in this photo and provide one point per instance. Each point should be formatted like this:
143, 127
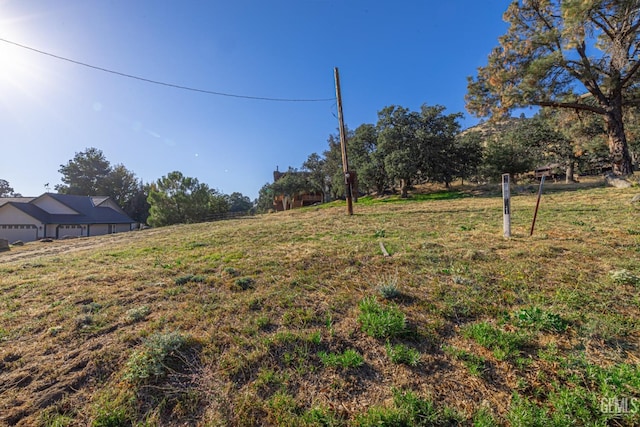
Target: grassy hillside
297, 318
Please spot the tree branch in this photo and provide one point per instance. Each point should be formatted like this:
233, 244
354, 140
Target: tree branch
631, 73
589, 80
634, 102
572, 105
606, 28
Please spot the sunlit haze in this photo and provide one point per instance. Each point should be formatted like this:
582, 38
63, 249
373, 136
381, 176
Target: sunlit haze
405, 53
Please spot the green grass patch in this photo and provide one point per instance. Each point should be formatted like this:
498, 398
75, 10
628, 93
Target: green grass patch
350, 358
474, 363
402, 354
381, 321
409, 410
624, 277
505, 345
439, 195
539, 319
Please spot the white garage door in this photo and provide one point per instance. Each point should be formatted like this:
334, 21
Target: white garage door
26, 233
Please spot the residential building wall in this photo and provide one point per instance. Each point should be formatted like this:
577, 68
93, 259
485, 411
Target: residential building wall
16, 225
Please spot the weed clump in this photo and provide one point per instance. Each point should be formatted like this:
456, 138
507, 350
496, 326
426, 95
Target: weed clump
402, 354
348, 359
408, 410
505, 345
381, 321
624, 277
388, 288
474, 363
183, 280
536, 318
244, 283
150, 363
138, 313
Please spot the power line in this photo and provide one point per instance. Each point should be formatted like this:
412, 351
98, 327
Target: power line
156, 82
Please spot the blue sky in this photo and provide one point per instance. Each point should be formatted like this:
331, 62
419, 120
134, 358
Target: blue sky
407, 52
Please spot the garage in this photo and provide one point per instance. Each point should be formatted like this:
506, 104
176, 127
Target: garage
24, 232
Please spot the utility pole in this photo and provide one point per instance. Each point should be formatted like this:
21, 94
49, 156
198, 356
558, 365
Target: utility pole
348, 177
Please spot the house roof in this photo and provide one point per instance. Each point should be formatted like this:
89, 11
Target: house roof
32, 210
87, 211
5, 200
98, 199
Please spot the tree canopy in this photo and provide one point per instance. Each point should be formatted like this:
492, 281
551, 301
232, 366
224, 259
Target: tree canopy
237, 202
6, 190
86, 174
577, 54
177, 199
90, 173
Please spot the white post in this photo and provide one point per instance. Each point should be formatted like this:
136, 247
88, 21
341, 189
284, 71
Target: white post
506, 199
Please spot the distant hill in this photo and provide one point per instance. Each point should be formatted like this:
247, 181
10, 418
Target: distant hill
489, 129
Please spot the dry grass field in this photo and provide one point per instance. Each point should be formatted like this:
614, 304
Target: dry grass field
297, 318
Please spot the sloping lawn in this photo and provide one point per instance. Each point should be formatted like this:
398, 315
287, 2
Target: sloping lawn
298, 318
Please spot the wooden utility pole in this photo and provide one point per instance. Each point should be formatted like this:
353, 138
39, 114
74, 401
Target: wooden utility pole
343, 146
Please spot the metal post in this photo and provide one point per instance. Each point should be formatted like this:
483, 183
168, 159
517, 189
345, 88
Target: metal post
535, 214
506, 203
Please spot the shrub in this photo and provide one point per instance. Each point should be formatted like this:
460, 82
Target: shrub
381, 322
231, 271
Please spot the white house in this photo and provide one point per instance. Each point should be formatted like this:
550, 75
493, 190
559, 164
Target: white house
60, 215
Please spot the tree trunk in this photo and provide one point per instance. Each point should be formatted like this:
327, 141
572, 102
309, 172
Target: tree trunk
618, 146
569, 172
404, 188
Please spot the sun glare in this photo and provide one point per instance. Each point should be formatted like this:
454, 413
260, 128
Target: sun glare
19, 68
